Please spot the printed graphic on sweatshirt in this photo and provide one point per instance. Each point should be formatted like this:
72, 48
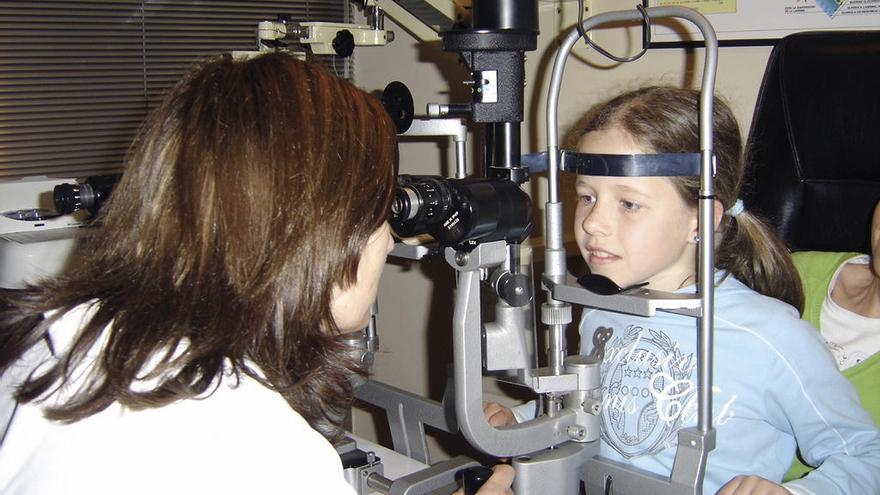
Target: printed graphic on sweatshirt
648, 384
649, 390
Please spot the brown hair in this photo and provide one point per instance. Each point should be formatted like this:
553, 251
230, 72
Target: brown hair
247, 195
665, 119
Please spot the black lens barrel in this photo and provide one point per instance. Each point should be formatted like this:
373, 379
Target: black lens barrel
88, 195
459, 211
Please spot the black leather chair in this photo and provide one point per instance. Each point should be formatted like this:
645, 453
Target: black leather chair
813, 151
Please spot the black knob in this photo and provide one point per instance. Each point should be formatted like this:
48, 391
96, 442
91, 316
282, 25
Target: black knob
398, 102
343, 43
472, 478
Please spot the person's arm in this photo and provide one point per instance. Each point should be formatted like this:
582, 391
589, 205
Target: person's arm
832, 429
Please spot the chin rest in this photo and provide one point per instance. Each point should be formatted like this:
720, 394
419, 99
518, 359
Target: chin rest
813, 151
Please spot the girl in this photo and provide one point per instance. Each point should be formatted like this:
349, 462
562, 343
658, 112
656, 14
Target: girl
195, 347
775, 385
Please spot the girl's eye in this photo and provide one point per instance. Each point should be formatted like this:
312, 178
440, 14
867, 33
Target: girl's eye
587, 200
630, 206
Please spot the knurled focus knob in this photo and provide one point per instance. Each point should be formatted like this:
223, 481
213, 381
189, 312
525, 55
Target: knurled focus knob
343, 43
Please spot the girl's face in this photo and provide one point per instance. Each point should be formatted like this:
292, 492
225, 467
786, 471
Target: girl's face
351, 306
633, 229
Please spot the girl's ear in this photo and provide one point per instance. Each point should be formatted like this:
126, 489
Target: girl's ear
718, 213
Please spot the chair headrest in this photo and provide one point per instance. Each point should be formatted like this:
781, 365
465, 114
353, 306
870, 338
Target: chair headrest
813, 151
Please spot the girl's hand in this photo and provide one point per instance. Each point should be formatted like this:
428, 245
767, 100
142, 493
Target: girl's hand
498, 415
497, 484
752, 485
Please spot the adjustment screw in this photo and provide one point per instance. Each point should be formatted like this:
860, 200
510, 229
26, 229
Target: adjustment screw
577, 432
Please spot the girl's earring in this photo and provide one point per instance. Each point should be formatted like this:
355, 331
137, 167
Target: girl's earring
696, 238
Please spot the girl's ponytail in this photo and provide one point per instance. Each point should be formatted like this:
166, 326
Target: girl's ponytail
752, 251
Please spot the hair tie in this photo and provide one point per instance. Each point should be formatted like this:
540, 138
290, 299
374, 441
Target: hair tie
736, 209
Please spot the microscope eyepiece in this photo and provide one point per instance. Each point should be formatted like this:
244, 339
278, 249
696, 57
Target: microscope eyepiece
88, 195
460, 211
420, 199
407, 204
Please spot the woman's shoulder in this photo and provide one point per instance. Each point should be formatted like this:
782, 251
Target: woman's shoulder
244, 433
65, 325
242, 407
243, 418
817, 268
820, 262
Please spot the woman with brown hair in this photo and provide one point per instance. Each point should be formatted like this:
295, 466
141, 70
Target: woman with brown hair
195, 346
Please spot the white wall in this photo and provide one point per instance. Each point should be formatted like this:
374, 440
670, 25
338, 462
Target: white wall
416, 300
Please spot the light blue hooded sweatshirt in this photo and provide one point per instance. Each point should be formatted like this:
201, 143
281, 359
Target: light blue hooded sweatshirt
775, 388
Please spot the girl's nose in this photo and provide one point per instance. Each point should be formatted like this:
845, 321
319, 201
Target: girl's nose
594, 221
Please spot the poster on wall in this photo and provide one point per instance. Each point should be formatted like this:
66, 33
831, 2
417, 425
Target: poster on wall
765, 21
